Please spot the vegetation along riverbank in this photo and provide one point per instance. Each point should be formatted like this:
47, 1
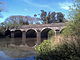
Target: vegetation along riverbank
67, 45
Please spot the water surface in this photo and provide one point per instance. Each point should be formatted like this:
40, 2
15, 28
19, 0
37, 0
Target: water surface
16, 52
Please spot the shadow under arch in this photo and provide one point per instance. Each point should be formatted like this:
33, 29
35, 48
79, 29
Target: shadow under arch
31, 33
7, 33
45, 33
17, 34
31, 37
17, 37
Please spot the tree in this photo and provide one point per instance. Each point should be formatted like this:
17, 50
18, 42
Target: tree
52, 17
74, 25
35, 15
14, 21
72, 31
43, 15
55, 17
60, 17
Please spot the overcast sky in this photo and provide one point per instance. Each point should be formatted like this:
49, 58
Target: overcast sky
31, 7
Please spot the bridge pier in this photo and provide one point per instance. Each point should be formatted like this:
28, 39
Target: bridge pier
12, 37
12, 34
23, 37
38, 37
57, 32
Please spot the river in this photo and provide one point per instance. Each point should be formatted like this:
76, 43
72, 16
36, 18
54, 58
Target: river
3, 56
17, 52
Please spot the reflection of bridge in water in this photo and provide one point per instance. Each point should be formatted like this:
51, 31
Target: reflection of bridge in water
38, 32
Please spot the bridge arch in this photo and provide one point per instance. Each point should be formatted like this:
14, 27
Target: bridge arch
31, 37
17, 34
8, 33
47, 28
45, 32
31, 33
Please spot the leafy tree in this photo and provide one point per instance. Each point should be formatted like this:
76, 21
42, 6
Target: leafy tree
72, 31
14, 21
43, 15
48, 18
60, 17
74, 25
52, 17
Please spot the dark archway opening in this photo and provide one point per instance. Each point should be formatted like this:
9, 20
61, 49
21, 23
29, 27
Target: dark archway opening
17, 34
47, 33
7, 33
2, 34
17, 37
31, 36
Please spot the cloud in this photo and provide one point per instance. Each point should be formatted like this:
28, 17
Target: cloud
37, 5
65, 5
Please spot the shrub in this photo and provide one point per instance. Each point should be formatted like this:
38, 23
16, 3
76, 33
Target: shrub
43, 49
51, 51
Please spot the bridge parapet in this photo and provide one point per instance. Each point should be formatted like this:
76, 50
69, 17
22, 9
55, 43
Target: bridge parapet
43, 25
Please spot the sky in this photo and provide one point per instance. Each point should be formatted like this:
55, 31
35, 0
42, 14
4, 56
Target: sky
31, 7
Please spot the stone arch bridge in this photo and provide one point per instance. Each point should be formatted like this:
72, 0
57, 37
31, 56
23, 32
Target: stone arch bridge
38, 30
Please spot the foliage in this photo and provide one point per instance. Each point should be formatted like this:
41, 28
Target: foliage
73, 28
70, 49
14, 21
43, 15
48, 51
51, 33
52, 17
43, 49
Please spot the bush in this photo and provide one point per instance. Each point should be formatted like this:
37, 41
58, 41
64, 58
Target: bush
43, 49
48, 51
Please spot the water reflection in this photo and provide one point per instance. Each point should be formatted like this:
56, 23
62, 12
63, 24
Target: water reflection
18, 41
17, 52
5, 57
31, 41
